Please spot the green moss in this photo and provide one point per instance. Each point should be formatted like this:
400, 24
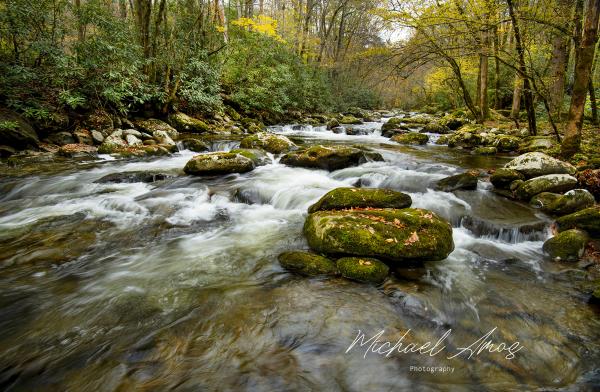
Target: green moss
333, 123
466, 180
587, 219
307, 263
568, 245
502, 178
269, 142
442, 140
507, 143
329, 157
543, 200
257, 156
485, 151
363, 269
184, 123
392, 123
344, 198
413, 138
436, 127
218, 163
550, 183
570, 202
350, 120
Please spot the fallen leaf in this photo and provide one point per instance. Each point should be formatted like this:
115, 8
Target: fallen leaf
414, 237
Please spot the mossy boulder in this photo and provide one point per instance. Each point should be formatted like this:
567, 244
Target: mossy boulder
152, 125
502, 178
534, 164
346, 198
543, 200
392, 123
568, 245
417, 120
453, 122
329, 157
443, 139
467, 181
361, 269
399, 235
412, 138
485, 151
587, 219
507, 143
77, 150
218, 163
537, 143
15, 131
259, 157
307, 263
556, 183
570, 202
464, 139
195, 145
333, 123
435, 127
269, 142
350, 120
184, 123
113, 143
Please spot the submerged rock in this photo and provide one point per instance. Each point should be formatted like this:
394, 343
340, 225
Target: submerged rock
413, 138
346, 198
363, 269
307, 263
485, 151
269, 142
132, 177
556, 183
534, 164
502, 178
570, 202
587, 219
218, 163
329, 157
398, 235
568, 245
466, 181
184, 123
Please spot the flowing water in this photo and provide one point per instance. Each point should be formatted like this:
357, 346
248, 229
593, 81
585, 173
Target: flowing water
175, 284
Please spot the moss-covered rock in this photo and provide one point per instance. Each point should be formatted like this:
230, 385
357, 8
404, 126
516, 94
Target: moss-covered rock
502, 178
543, 200
413, 138
274, 144
556, 183
218, 163
350, 120
534, 164
307, 263
392, 123
453, 122
537, 143
587, 219
568, 245
259, 157
333, 123
435, 127
417, 120
195, 145
15, 131
363, 269
77, 150
152, 125
507, 143
398, 235
442, 140
485, 151
113, 143
465, 139
570, 202
467, 181
345, 198
329, 157
162, 137
184, 123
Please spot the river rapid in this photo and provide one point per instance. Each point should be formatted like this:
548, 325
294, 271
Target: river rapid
175, 284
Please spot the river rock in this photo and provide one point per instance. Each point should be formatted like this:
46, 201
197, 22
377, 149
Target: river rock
435, 127
133, 132
133, 140
83, 136
537, 143
132, 177
587, 219
113, 143
398, 235
258, 157
363, 269
61, 138
570, 202
485, 151
502, 178
218, 163
464, 139
77, 151
543, 200
195, 145
333, 123
413, 138
97, 137
535, 164
568, 245
556, 183
329, 157
163, 137
442, 140
350, 120
391, 124
184, 123
152, 125
467, 181
269, 142
307, 263
15, 131
507, 143
347, 198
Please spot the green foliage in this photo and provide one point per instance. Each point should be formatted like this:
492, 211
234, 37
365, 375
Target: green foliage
200, 86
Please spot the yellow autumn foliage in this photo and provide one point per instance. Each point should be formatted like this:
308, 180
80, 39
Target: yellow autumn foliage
261, 24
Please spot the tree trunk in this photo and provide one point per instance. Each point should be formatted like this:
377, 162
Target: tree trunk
80, 26
483, 83
516, 103
585, 58
497, 103
593, 101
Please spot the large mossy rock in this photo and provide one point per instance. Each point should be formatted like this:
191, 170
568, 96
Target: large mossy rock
535, 164
570, 202
568, 245
398, 235
152, 125
113, 143
307, 263
363, 269
184, 123
485, 151
502, 178
466, 137
543, 200
467, 181
346, 198
15, 131
269, 142
329, 157
412, 138
391, 124
132, 177
218, 163
259, 157
350, 120
556, 183
436, 127
195, 145
507, 143
537, 143
587, 219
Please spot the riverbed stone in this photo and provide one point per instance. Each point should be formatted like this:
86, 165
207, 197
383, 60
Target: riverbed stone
333, 123
97, 137
412, 138
400, 235
350, 120
152, 125
587, 219
218, 163
113, 143
465, 139
329, 157
572, 201
275, 144
556, 183
259, 157
363, 269
543, 200
485, 151
506, 143
568, 245
195, 145
61, 138
347, 198
307, 263
467, 181
184, 123
83, 136
77, 150
15, 131
391, 124
133, 141
442, 140
162, 137
132, 177
535, 164
502, 178
435, 127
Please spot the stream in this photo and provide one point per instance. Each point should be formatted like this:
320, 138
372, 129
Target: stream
175, 284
